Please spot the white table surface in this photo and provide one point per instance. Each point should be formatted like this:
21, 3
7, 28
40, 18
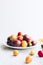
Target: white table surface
7, 58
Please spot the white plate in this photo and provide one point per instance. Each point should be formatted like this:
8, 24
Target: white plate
19, 47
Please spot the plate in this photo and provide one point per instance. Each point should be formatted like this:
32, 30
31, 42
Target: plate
19, 47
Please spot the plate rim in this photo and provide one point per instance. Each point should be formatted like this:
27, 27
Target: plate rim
18, 47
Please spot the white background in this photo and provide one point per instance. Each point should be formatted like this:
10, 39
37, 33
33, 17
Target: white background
21, 15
